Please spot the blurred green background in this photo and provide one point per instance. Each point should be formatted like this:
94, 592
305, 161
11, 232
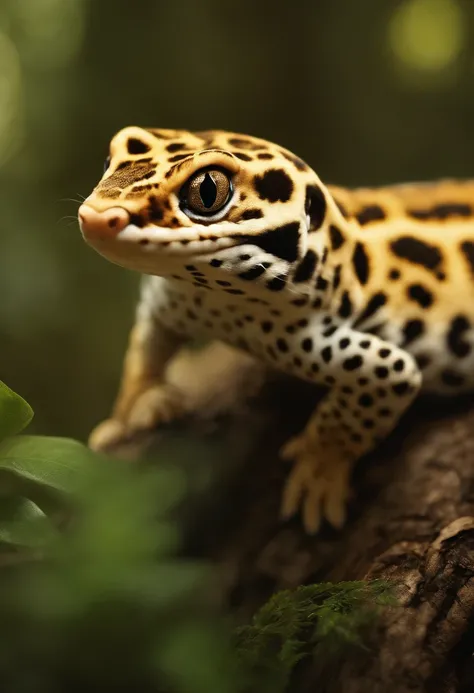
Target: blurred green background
367, 91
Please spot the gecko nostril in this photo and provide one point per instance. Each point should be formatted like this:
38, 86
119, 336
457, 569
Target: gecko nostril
113, 222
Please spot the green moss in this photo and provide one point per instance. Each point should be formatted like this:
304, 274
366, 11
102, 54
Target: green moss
321, 619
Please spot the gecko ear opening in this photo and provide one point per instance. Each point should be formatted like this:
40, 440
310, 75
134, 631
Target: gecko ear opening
315, 206
321, 207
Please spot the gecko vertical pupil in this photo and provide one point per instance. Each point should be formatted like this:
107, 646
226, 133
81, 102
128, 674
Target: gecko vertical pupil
206, 192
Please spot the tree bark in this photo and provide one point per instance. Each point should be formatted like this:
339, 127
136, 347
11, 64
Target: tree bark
411, 519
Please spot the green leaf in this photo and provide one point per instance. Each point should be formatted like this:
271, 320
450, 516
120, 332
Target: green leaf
49, 471
28, 526
15, 413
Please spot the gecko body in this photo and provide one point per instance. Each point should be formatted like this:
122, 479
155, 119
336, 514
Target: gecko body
368, 291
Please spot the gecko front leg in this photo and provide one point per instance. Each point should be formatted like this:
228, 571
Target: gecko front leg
374, 383
144, 399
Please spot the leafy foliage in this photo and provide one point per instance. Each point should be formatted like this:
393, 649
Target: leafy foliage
324, 619
94, 594
15, 413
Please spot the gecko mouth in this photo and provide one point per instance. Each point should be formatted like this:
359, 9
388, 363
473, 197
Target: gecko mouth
112, 233
175, 242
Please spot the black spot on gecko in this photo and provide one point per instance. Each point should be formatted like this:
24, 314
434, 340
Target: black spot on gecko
136, 146
299, 163
441, 212
281, 241
175, 147
337, 277
377, 301
321, 284
401, 388
345, 309
417, 252
455, 337
306, 267
242, 156
282, 345
178, 157
370, 213
412, 330
381, 372
251, 214
418, 293
337, 238
467, 247
242, 143
326, 354
274, 185
361, 263
353, 363
366, 400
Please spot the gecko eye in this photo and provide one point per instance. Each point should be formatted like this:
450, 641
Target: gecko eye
206, 192
106, 164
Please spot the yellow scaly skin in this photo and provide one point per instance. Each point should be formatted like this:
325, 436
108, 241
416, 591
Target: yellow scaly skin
365, 291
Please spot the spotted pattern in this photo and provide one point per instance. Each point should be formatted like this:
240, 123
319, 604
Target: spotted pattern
365, 292
417, 251
360, 261
274, 185
370, 213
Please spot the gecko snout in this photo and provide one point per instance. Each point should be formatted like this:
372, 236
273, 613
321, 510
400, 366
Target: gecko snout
105, 224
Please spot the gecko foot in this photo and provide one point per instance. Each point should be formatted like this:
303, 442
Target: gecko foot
318, 483
106, 435
158, 404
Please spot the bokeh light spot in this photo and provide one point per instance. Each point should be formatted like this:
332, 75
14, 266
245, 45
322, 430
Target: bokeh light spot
428, 35
10, 98
51, 30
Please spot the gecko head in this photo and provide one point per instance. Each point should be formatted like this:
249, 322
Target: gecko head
171, 197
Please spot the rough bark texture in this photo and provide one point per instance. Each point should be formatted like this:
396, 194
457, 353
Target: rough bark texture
411, 520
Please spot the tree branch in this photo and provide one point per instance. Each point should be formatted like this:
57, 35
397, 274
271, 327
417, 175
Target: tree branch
411, 521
